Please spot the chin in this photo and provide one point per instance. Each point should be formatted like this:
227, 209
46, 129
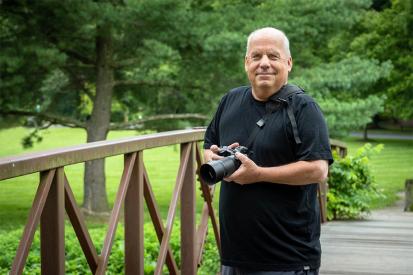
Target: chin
265, 84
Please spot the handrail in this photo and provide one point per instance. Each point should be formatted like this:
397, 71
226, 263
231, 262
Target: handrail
338, 146
15, 166
54, 196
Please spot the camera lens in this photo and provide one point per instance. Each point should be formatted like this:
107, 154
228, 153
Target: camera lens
215, 170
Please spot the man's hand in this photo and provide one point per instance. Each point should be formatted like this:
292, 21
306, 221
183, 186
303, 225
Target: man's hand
247, 173
212, 152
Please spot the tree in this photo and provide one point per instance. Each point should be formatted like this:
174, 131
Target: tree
57, 56
385, 34
341, 88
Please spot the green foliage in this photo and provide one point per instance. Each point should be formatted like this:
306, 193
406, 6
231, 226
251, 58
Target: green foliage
171, 57
384, 33
345, 116
351, 185
340, 88
75, 261
390, 168
30, 139
387, 35
345, 79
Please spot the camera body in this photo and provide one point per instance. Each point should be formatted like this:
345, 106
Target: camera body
215, 170
226, 151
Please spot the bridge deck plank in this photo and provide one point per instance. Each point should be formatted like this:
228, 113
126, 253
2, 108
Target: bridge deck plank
382, 244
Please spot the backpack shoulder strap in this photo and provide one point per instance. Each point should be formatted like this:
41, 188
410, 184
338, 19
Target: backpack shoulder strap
283, 97
280, 98
286, 91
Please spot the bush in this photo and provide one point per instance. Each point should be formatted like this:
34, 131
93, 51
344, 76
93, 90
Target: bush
351, 185
75, 260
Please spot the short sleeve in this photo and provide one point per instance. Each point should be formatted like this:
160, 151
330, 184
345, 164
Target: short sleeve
212, 131
211, 134
313, 132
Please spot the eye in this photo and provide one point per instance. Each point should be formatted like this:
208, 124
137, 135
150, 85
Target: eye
256, 57
273, 57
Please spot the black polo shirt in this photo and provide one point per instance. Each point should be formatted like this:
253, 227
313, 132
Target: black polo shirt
267, 226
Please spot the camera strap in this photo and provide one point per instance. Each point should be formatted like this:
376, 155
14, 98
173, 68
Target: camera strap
275, 101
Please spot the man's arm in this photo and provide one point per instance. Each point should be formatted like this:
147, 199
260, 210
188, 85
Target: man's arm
296, 173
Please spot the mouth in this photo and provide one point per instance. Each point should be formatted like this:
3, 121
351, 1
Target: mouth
265, 74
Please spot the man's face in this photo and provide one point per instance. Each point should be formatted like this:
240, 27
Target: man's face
267, 63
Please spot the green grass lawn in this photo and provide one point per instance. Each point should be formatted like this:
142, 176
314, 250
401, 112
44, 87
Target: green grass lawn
391, 167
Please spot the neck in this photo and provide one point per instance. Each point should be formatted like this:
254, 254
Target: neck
263, 94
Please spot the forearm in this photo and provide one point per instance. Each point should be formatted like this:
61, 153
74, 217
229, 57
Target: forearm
297, 173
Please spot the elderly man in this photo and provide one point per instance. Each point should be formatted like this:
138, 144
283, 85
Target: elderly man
269, 216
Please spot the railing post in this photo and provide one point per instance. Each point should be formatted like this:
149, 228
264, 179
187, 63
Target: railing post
188, 240
134, 250
52, 228
322, 200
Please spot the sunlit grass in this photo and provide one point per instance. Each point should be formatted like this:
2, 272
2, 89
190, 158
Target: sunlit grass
391, 167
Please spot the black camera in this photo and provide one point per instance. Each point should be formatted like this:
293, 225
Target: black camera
215, 170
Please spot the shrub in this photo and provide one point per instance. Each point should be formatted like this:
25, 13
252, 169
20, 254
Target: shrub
75, 262
351, 185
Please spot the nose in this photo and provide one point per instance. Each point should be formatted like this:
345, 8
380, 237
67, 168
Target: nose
264, 62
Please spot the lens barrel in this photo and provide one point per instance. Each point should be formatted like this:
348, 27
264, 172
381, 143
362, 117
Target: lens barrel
215, 170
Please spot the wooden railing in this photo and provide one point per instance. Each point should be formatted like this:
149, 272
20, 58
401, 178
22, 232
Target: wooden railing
341, 150
54, 196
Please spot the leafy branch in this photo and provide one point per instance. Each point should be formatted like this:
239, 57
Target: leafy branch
74, 123
51, 118
137, 124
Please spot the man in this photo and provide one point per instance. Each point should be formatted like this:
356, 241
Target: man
269, 215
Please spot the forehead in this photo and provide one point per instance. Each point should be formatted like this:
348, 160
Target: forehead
266, 42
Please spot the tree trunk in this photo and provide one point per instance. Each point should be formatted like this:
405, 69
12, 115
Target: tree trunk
365, 133
408, 206
95, 197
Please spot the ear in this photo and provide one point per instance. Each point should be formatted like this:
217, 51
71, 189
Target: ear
246, 64
290, 64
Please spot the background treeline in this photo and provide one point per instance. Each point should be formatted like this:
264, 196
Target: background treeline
164, 64
179, 57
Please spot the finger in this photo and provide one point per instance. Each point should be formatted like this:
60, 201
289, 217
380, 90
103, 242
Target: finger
234, 175
230, 178
235, 144
243, 158
214, 148
216, 157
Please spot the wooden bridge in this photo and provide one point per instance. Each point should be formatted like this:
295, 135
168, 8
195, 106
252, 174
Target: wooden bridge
382, 244
54, 197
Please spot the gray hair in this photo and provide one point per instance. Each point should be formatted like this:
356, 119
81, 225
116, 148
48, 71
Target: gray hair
271, 31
